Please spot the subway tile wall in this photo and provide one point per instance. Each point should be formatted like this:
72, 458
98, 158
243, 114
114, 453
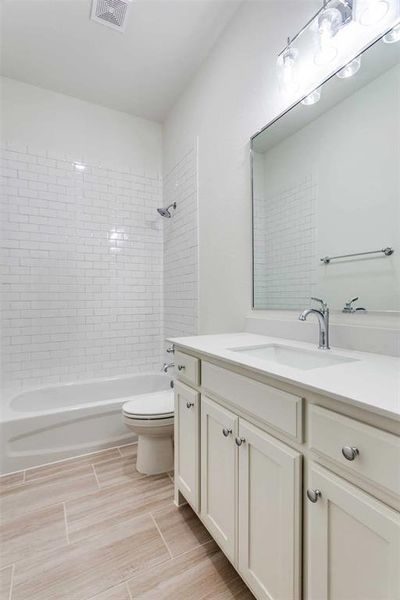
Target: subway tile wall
82, 279
284, 246
181, 248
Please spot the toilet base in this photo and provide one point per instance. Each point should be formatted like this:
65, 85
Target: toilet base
155, 454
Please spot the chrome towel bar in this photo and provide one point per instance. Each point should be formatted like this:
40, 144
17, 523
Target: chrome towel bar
386, 251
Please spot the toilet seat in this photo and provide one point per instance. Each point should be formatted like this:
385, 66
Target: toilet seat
158, 406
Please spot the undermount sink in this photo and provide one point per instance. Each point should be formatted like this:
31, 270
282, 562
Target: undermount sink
294, 357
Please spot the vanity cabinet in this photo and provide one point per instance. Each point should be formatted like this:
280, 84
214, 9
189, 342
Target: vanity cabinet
243, 446
250, 500
353, 542
187, 451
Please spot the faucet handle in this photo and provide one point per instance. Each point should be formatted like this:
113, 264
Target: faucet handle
322, 302
349, 308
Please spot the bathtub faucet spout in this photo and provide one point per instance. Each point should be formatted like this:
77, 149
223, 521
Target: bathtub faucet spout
167, 366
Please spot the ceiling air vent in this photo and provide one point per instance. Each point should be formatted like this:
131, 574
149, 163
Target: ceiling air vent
110, 12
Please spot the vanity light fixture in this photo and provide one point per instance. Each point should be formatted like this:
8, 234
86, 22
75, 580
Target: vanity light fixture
350, 69
325, 24
312, 98
372, 11
393, 35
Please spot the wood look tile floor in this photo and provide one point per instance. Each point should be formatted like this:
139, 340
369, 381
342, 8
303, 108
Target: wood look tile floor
93, 528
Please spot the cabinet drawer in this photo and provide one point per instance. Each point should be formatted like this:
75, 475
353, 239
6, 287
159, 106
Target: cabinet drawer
279, 409
376, 454
187, 368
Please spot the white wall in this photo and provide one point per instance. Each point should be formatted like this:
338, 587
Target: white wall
84, 131
234, 94
83, 251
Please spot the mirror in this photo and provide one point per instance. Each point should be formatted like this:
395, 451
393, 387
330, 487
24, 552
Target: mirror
326, 194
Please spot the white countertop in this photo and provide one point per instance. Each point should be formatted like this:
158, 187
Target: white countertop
371, 382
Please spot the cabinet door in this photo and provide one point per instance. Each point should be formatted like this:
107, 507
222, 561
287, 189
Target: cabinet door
187, 443
353, 542
269, 514
219, 427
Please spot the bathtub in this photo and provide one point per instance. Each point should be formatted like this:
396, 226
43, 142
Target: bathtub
52, 423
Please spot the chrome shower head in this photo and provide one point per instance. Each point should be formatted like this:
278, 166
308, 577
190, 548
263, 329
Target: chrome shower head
164, 212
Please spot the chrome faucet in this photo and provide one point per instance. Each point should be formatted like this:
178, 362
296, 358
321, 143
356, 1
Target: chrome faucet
323, 322
167, 366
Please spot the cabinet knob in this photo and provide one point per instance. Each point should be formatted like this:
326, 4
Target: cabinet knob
226, 431
239, 441
350, 452
181, 367
313, 495
189, 404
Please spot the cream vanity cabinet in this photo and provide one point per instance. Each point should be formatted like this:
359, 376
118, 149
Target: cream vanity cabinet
250, 500
241, 449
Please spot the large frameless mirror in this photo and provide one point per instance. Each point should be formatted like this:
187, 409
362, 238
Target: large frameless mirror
326, 194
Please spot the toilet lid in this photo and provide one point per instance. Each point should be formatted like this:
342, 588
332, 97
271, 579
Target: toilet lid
151, 405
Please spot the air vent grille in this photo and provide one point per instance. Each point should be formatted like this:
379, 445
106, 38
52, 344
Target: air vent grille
111, 13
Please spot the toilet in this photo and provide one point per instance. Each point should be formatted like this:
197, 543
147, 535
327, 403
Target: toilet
151, 417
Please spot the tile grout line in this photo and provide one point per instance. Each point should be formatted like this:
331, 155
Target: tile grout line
66, 522
195, 548
95, 476
162, 537
129, 591
10, 593
179, 556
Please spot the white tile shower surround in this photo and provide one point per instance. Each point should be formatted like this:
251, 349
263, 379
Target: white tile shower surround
82, 282
181, 248
285, 229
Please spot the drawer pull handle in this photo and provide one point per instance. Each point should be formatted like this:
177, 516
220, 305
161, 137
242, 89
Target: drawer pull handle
226, 431
189, 404
313, 495
349, 452
239, 441
181, 367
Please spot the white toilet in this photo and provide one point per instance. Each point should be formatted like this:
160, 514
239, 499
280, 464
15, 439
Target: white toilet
151, 417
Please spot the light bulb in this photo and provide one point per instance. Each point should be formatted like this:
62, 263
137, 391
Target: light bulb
393, 35
286, 65
373, 12
329, 22
79, 166
312, 98
350, 69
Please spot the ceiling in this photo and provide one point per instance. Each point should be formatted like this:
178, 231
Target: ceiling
53, 44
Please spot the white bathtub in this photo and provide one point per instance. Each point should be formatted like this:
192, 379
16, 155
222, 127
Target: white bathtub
49, 424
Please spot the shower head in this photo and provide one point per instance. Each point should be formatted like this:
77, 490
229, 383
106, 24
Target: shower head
164, 212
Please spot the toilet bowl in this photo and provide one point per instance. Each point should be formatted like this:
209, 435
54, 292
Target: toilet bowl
151, 417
